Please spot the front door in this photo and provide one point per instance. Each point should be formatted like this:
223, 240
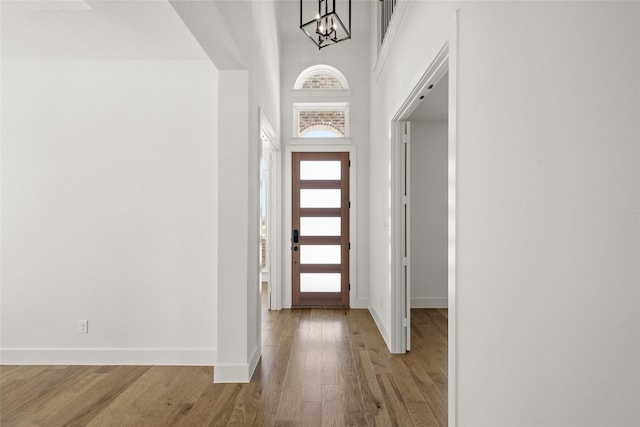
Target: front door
320, 229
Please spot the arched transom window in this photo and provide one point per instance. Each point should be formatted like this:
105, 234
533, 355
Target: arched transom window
322, 81
321, 77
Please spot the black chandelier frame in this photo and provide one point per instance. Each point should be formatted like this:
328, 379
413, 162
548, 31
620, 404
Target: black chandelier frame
325, 28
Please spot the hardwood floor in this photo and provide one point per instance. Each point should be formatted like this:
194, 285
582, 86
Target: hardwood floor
319, 367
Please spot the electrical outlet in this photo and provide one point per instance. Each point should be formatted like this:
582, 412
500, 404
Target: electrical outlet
83, 326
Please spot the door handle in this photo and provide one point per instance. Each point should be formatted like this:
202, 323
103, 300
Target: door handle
295, 236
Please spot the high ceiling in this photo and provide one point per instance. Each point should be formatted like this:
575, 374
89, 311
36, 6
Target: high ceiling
142, 29
73, 29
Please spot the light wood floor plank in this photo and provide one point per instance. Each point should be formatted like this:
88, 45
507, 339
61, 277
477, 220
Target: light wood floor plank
311, 414
374, 405
79, 404
329, 362
158, 384
421, 415
355, 415
201, 413
290, 407
333, 406
396, 408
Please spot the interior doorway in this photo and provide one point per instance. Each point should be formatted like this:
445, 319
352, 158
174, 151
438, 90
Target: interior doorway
320, 228
265, 237
424, 195
270, 214
439, 81
425, 213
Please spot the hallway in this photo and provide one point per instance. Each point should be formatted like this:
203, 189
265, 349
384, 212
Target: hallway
319, 367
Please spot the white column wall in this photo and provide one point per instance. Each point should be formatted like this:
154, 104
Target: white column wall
248, 51
233, 231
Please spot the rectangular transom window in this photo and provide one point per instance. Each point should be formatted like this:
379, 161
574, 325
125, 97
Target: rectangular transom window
321, 120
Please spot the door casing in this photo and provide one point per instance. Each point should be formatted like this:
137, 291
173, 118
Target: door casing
274, 258
344, 145
320, 298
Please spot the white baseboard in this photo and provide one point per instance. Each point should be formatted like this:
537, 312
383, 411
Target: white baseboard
359, 303
231, 373
384, 331
353, 303
429, 302
236, 373
108, 356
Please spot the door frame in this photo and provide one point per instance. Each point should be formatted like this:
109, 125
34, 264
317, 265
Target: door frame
332, 299
274, 213
328, 146
444, 61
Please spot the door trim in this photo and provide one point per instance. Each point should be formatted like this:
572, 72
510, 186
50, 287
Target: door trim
334, 299
268, 136
355, 300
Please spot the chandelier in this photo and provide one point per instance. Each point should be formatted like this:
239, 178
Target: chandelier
326, 28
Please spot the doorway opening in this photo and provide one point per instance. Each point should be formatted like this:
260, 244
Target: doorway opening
270, 215
426, 211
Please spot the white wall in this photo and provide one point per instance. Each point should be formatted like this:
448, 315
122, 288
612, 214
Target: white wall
109, 211
428, 212
351, 58
548, 308
109, 188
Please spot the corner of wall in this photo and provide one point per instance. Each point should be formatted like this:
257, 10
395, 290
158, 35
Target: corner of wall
237, 373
